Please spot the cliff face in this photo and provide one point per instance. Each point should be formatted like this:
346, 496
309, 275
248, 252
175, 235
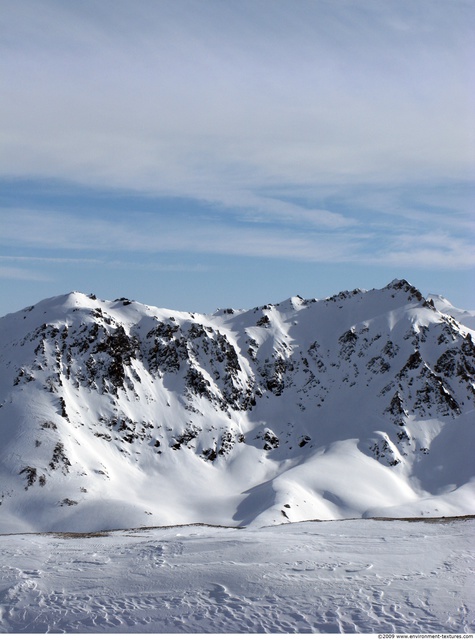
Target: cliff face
115, 414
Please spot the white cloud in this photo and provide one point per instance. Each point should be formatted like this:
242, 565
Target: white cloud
217, 100
254, 107
158, 236
17, 273
49, 260
43, 263
426, 248
153, 234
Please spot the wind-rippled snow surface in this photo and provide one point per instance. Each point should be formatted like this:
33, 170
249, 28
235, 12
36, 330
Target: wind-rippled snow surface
342, 576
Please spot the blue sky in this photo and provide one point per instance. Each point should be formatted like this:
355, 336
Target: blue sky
196, 154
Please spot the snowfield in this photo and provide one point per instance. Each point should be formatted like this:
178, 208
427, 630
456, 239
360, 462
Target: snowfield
353, 576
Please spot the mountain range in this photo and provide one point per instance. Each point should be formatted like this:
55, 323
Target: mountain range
115, 414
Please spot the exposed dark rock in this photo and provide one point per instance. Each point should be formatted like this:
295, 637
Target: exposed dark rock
263, 322
31, 474
60, 459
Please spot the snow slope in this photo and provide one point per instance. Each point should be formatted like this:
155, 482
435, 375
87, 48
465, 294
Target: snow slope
362, 576
116, 414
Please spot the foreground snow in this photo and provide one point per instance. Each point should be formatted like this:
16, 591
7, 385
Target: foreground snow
349, 576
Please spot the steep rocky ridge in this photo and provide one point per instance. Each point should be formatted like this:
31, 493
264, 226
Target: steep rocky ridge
117, 414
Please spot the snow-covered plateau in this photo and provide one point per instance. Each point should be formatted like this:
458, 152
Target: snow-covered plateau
325, 445
358, 576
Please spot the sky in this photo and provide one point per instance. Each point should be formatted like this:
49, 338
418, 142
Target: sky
200, 154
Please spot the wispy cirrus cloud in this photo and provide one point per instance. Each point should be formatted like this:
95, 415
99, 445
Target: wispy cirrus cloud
159, 236
104, 262
426, 250
216, 100
17, 273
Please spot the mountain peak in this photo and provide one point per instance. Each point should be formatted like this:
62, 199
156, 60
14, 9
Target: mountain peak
406, 287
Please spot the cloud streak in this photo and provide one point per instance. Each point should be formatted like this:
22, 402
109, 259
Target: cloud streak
160, 236
17, 273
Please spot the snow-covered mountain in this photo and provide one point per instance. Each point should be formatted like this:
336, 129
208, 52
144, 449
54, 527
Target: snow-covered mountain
116, 414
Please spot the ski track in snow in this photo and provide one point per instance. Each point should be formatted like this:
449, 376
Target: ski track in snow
343, 576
